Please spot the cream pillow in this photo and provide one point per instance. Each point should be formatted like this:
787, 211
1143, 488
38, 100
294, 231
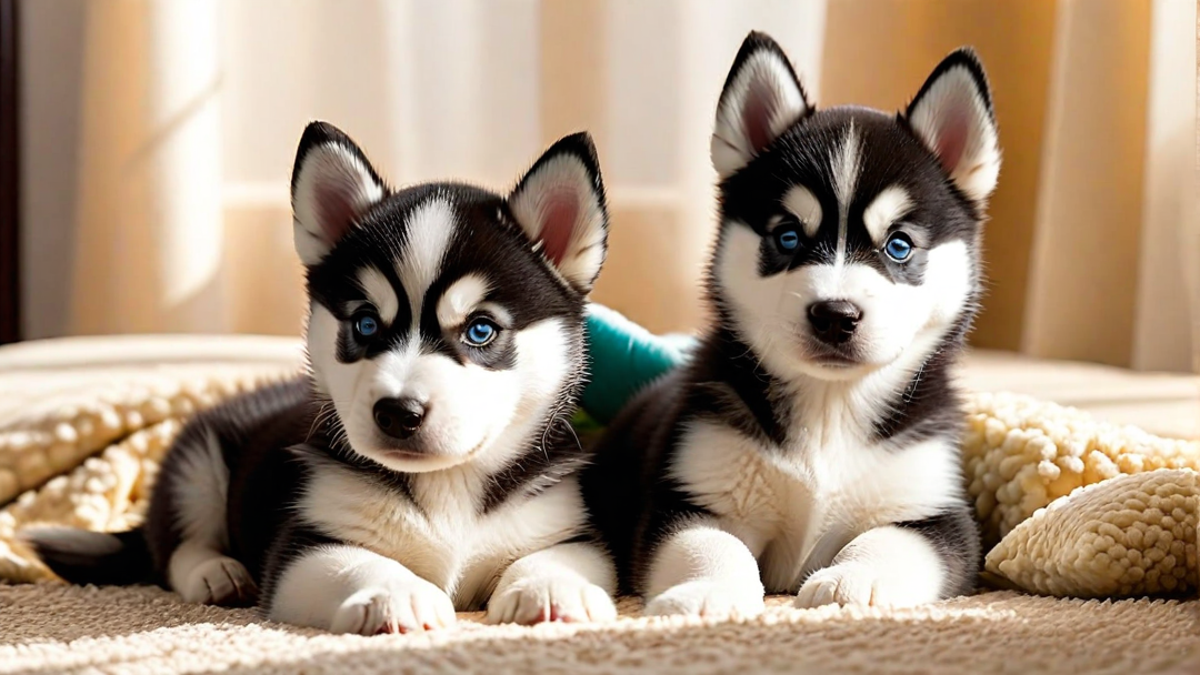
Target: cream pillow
1021, 453
1130, 535
1080, 507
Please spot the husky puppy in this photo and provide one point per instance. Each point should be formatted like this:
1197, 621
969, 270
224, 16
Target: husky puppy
425, 464
810, 446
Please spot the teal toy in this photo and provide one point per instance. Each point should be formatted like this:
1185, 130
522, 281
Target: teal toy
624, 358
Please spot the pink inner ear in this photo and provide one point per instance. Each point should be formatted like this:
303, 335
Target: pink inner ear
952, 141
560, 211
757, 111
334, 211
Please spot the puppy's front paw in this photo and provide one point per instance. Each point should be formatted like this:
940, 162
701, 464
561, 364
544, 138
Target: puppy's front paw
220, 580
554, 598
709, 599
862, 584
395, 606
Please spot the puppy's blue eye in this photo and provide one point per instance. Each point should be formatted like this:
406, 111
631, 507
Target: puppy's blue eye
366, 326
480, 333
898, 247
787, 239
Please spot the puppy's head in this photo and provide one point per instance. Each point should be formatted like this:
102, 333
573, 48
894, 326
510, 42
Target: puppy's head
446, 321
849, 237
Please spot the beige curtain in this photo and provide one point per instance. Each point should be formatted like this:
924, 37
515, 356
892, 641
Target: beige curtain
191, 110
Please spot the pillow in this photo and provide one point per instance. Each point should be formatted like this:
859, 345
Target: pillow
1080, 507
1130, 535
1021, 453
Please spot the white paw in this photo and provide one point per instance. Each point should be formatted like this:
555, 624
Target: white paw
394, 606
219, 581
555, 598
863, 584
709, 599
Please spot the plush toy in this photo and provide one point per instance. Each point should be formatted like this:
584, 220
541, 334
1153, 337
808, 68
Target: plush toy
625, 357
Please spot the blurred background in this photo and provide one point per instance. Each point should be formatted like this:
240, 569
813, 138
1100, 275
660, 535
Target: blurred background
157, 139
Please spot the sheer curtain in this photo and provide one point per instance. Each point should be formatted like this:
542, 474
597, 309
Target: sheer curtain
190, 112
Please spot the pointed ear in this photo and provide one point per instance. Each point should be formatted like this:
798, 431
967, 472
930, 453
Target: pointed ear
761, 99
332, 185
952, 115
560, 205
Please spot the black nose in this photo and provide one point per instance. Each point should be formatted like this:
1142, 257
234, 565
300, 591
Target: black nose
399, 417
833, 322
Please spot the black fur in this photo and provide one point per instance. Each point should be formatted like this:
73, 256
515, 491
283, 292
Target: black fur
94, 557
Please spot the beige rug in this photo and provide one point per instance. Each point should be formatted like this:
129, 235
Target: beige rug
50, 628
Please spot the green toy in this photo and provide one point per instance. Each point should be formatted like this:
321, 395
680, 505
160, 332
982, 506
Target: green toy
624, 358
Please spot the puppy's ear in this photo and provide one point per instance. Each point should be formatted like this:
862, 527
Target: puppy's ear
761, 99
952, 115
560, 205
333, 184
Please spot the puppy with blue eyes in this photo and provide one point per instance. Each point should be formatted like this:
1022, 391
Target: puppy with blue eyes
810, 446
425, 464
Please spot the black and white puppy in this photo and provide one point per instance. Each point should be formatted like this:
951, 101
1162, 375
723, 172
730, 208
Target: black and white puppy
426, 463
811, 444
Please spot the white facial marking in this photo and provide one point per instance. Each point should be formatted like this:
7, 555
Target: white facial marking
461, 299
890, 205
803, 204
379, 292
844, 164
476, 414
770, 312
429, 230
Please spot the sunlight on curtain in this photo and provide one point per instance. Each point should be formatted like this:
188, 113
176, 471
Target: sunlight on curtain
190, 112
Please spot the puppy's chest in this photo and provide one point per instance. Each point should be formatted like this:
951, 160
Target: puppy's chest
443, 537
794, 506
776, 489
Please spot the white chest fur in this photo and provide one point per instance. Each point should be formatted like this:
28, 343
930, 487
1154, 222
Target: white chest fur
796, 507
445, 539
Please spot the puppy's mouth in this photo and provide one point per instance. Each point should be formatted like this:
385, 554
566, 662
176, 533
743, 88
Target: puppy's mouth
835, 360
406, 455
821, 354
434, 460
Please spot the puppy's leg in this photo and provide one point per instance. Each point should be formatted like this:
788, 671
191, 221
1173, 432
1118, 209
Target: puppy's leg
703, 570
568, 582
191, 499
900, 565
348, 589
200, 573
